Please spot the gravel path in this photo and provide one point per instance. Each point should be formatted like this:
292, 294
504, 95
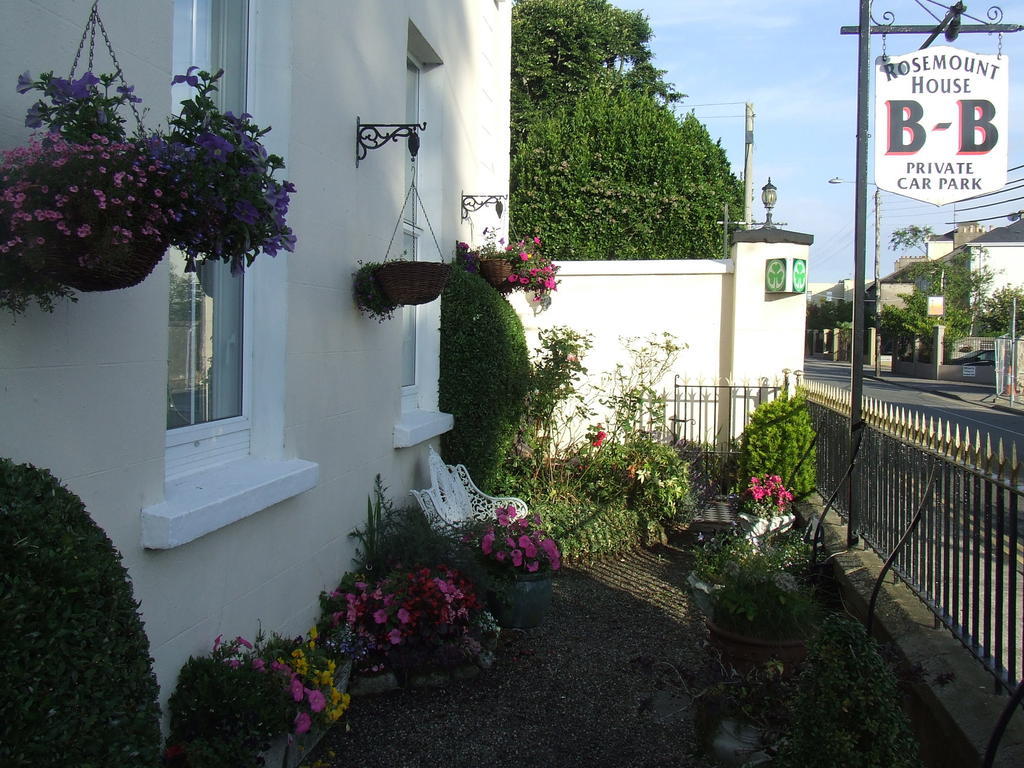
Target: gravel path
589, 687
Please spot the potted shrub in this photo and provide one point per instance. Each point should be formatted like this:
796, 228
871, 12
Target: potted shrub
757, 603
246, 700
520, 558
407, 622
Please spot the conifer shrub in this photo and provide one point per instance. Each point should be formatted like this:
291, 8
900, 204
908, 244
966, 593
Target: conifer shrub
846, 711
485, 371
778, 440
77, 686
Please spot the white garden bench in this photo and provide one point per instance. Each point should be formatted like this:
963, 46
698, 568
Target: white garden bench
453, 497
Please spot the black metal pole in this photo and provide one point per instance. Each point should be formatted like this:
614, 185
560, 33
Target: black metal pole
859, 256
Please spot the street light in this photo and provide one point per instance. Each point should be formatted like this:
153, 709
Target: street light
878, 278
769, 196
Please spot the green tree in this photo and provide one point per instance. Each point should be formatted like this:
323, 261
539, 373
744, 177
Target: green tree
563, 48
962, 286
995, 316
909, 238
829, 314
617, 176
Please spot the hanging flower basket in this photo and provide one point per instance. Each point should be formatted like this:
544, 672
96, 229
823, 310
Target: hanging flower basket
100, 265
412, 282
90, 216
496, 272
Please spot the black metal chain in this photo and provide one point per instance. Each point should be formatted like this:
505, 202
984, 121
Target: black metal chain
413, 191
90, 32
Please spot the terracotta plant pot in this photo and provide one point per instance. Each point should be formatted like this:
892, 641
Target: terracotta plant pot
744, 653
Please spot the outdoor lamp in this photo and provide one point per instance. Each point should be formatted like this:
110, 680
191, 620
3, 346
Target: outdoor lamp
768, 198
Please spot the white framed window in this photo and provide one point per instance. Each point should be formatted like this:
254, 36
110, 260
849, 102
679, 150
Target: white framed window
411, 241
424, 103
209, 314
225, 457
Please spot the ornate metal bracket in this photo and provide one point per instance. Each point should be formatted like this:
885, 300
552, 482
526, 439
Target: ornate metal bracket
472, 203
374, 135
950, 25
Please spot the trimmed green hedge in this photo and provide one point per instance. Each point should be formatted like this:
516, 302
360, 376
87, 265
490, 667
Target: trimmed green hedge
614, 175
77, 686
778, 441
485, 369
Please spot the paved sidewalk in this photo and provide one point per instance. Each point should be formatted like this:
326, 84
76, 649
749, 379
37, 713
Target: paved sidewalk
968, 392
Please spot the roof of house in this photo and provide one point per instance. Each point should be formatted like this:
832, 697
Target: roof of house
1011, 233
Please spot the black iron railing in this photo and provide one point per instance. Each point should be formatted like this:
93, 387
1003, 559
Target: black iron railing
964, 557
706, 421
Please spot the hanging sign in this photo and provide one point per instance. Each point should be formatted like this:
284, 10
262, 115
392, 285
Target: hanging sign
941, 124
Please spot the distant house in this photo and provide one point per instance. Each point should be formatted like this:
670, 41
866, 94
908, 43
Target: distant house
1000, 249
226, 438
821, 293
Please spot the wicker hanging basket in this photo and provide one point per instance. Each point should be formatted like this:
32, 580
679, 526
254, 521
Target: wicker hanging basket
496, 271
412, 282
95, 264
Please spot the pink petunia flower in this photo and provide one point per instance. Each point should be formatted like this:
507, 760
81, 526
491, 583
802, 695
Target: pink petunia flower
302, 723
297, 689
394, 637
380, 616
316, 700
403, 616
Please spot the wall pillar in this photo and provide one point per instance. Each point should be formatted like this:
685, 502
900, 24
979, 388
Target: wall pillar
768, 328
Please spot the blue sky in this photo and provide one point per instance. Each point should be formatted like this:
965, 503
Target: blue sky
789, 60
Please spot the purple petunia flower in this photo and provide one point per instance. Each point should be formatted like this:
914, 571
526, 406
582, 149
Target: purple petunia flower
128, 91
246, 212
188, 78
217, 147
32, 118
24, 82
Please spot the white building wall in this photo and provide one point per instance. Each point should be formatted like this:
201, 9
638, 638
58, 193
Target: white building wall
83, 390
716, 309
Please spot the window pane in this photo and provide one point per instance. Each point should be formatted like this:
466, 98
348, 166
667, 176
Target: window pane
409, 326
205, 358
205, 354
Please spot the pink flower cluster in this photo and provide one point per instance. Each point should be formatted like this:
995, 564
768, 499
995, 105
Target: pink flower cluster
424, 608
766, 496
59, 194
532, 271
519, 543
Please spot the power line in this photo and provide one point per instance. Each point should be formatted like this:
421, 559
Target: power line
989, 205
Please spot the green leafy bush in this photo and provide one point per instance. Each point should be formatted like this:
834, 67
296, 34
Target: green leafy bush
77, 686
778, 441
615, 175
484, 375
846, 712
224, 716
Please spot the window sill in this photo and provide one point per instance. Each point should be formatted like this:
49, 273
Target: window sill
414, 427
206, 501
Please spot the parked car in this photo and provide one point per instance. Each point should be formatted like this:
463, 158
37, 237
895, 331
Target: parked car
981, 357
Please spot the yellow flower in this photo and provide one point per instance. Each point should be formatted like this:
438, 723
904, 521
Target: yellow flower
313, 634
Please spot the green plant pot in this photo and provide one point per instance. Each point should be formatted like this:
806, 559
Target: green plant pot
525, 602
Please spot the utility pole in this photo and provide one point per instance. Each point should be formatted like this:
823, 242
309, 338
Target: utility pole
878, 283
748, 165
